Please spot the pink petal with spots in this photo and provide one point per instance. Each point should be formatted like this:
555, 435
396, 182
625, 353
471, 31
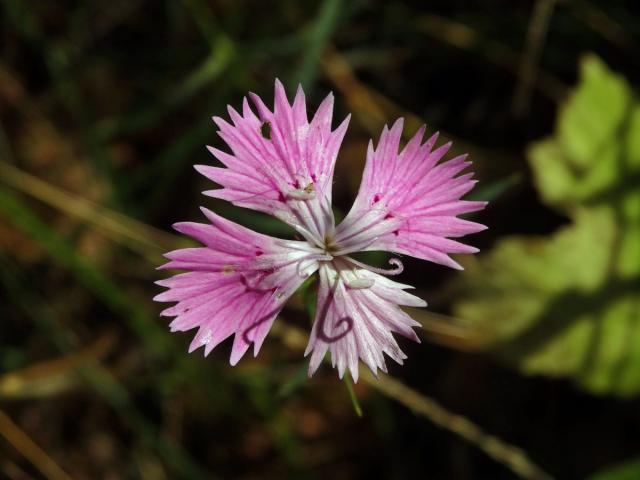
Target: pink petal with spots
280, 162
356, 315
408, 202
235, 284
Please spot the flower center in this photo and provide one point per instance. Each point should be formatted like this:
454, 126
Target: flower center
330, 247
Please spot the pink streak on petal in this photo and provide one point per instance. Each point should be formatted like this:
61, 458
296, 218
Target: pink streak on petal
408, 203
235, 284
277, 157
357, 323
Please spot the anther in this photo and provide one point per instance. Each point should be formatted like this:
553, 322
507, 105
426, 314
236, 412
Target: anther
302, 194
307, 266
359, 283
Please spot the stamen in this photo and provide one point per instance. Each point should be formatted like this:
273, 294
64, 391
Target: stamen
357, 245
301, 194
312, 212
289, 219
359, 283
308, 262
306, 193
399, 267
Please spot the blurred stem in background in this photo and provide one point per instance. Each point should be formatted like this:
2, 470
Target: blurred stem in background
30, 450
529, 63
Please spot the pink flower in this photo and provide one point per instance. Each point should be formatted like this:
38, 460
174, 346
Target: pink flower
282, 164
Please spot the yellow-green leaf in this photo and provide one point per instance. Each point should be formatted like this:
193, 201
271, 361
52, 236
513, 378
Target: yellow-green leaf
596, 146
568, 304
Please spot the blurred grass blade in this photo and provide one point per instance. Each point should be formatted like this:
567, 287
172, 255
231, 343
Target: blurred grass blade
149, 242
508, 455
449, 331
317, 40
600, 20
297, 381
206, 21
494, 190
30, 450
52, 377
211, 68
462, 36
530, 58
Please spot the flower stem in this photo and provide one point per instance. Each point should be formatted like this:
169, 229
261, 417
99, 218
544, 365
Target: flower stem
352, 395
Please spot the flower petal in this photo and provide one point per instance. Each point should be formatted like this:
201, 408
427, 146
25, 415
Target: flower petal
236, 283
281, 163
356, 314
408, 203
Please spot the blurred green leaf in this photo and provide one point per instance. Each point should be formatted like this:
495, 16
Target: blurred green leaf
568, 304
629, 470
596, 145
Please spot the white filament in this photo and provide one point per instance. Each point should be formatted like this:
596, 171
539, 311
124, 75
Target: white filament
399, 267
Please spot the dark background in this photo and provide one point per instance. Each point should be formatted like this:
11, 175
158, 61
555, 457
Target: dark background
105, 107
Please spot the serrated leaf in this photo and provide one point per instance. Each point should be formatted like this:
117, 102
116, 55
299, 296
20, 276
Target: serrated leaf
569, 304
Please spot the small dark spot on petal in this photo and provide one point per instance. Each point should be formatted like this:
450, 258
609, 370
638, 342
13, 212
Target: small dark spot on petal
396, 232
281, 197
376, 198
259, 252
388, 216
